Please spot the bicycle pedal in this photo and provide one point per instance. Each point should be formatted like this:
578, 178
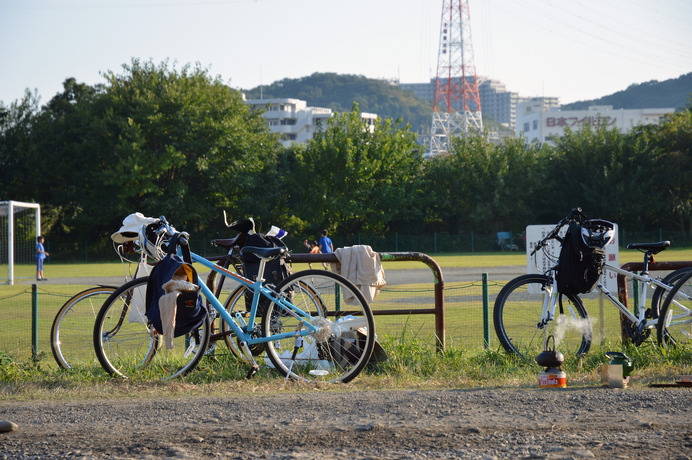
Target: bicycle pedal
253, 370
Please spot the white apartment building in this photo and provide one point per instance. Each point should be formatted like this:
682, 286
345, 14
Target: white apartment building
294, 121
536, 121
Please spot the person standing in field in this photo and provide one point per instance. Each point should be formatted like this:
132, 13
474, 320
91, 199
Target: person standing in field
41, 255
326, 246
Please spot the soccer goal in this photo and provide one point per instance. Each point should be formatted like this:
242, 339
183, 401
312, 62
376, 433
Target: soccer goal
20, 225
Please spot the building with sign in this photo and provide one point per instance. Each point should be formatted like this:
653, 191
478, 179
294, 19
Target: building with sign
294, 121
536, 122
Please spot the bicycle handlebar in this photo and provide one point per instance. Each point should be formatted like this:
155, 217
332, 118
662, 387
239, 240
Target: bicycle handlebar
574, 215
181, 239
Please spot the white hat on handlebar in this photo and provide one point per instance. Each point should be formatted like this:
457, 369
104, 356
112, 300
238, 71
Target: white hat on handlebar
132, 225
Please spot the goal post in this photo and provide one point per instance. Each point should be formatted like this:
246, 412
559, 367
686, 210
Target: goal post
20, 225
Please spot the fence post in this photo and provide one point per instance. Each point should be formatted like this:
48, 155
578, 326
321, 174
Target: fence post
486, 312
472, 242
34, 322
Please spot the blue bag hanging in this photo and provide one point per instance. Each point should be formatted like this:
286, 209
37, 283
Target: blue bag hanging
190, 309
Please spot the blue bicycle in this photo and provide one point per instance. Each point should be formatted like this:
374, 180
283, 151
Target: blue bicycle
314, 325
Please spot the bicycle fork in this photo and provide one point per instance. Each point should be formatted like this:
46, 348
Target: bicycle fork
551, 300
550, 296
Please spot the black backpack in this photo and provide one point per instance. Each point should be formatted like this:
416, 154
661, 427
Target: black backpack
190, 310
579, 266
275, 270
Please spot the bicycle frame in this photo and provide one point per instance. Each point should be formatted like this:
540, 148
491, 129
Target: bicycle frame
550, 299
238, 324
646, 280
258, 289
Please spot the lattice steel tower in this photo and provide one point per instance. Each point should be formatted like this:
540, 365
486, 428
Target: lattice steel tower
457, 105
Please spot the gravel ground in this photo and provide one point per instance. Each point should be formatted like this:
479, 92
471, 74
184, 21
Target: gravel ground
414, 424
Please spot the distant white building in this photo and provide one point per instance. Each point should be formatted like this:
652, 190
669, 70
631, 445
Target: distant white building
537, 122
496, 101
294, 120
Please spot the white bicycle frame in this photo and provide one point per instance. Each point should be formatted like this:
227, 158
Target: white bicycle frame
550, 299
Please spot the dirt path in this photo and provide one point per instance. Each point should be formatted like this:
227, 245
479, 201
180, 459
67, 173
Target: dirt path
527, 423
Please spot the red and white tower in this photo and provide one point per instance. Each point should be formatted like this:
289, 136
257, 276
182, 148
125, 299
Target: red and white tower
457, 105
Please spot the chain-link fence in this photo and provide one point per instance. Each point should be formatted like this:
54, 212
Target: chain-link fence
432, 244
468, 317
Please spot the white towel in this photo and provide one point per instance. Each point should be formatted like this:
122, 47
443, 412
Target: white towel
363, 267
167, 306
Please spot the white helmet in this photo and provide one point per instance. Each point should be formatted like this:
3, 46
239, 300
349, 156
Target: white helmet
597, 233
154, 238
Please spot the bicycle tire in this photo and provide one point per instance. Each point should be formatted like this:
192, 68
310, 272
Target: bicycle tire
71, 332
674, 328
129, 349
660, 293
517, 318
333, 354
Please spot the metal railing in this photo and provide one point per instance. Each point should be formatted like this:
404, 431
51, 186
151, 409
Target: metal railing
438, 282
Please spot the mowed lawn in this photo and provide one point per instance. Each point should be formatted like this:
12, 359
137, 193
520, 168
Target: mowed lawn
466, 306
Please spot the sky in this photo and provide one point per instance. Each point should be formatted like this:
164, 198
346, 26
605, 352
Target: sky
576, 50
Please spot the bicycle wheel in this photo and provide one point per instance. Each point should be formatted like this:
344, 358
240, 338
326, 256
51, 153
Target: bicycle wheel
126, 346
73, 326
674, 328
660, 293
345, 337
522, 330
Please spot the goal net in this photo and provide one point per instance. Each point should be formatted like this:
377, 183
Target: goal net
20, 225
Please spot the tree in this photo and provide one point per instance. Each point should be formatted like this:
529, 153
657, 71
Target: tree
16, 127
671, 143
350, 178
482, 185
153, 139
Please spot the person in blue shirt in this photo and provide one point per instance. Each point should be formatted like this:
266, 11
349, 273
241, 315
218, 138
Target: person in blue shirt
325, 244
41, 255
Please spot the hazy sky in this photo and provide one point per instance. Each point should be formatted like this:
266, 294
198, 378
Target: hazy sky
574, 50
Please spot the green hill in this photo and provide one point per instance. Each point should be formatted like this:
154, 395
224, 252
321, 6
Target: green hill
339, 92
652, 94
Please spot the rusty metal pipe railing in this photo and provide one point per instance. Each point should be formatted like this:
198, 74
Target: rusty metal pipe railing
438, 310
637, 267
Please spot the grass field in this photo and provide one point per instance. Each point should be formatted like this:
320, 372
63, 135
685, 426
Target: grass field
407, 338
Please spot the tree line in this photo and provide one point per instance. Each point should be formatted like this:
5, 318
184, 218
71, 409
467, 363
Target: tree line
181, 143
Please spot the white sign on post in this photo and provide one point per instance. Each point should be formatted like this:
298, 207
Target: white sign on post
541, 263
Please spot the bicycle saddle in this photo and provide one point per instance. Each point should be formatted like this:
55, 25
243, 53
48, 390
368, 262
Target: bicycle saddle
653, 248
264, 253
226, 243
